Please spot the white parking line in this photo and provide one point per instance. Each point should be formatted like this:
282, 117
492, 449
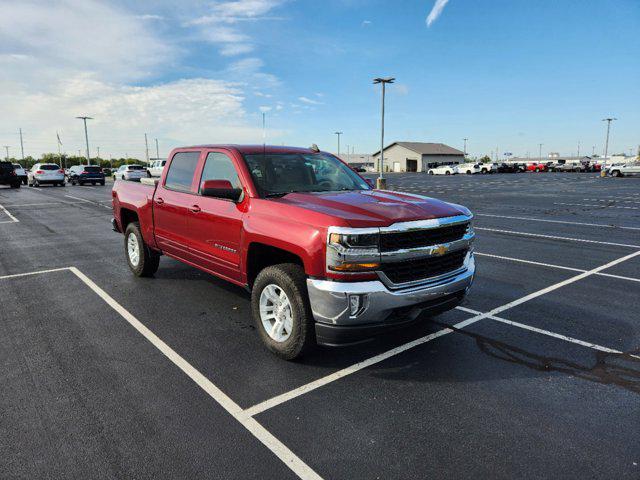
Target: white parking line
277, 400
279, 449
13, 219
548, 333
17, 275
88, 201
555, 237
557, 221
550, 265
596, 206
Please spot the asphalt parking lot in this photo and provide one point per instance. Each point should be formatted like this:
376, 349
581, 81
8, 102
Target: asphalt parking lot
536, 375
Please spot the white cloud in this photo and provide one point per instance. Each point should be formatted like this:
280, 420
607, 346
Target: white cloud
148, 16
309, 101
436, 11
365, 23
234, 49
80, 34
83, 57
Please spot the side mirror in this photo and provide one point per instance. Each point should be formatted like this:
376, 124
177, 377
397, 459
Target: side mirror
370, 182
220, 189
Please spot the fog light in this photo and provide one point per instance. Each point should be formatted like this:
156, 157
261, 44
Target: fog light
355, 304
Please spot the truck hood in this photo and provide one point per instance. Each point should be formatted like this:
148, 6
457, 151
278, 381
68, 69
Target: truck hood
373, 208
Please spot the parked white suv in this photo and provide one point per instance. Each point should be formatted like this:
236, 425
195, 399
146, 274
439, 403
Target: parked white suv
443, 170
624, 169
45, 173
156, 168
130, 172
468, 168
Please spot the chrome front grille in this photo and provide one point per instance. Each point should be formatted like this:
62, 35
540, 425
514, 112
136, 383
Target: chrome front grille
422, 238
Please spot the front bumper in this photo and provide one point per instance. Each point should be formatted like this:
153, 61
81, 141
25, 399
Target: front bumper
381, 308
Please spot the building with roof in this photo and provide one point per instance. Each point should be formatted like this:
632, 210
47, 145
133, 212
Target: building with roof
417, 156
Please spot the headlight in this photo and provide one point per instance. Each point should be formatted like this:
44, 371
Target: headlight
367, 240
353, 250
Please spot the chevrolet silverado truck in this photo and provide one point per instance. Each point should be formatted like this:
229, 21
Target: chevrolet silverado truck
328, 260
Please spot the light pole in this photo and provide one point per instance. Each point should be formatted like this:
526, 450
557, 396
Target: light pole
157, 150
465, 147
381, 183
603, 170
86, 136
593, 151
540, 152
6, 147
578, 148
338, 134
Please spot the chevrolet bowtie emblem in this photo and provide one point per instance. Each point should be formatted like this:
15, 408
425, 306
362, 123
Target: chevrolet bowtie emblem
441, 250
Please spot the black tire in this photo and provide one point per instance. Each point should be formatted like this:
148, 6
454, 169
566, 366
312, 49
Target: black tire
15, 185
484, 171
293, 281
616, 173
537, 170
447, 172
93, 183
468, 172
62, 184
24, 181
102, 183
149, 260
430, 172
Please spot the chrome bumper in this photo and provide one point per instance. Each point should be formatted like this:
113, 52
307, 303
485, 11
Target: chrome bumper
330, 301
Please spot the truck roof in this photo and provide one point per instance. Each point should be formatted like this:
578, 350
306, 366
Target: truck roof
253, 149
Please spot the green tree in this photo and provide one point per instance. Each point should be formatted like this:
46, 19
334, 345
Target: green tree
485, 159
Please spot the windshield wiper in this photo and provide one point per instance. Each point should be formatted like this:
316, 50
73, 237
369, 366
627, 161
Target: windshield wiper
279, 194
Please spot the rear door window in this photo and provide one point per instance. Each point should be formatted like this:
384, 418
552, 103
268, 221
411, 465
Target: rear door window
181, 171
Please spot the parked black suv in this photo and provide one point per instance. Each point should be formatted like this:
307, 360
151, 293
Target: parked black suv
8, 175
82, 174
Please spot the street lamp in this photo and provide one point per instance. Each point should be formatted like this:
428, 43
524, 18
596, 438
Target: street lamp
465, 147
86, 136
603, 169
540, 152
338, 134
381, 182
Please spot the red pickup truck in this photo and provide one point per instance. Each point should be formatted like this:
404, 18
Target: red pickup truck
328, 259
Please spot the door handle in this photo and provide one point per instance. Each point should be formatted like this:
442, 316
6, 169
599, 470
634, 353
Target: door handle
194, 208
159, 201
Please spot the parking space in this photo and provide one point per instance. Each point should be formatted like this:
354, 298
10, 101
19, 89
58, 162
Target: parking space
535, 375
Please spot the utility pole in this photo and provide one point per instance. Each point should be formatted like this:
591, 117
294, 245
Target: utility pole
60, 154
98, 154
264, 128
381, 183
338, 134
578, 148
6, 147
157, 150
21, 146
540, 152
465, 147
348, 156
86, 137
603, 170
146, 148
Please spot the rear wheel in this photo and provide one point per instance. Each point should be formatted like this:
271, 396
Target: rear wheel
102, 183
537, 170
15, 185
142, 261
447, 172
430, 172
281, 311
616, 173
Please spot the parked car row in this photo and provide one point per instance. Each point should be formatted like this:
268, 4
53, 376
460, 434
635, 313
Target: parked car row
620, 170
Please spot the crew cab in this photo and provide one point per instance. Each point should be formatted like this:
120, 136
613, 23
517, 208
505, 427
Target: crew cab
328, 259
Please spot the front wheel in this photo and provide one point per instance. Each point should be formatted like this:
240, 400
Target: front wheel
616, 173
430, 172
281, 311
447, 172
142, 261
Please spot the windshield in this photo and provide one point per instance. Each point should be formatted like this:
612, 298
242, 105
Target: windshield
136, 167
49, 166
277, 174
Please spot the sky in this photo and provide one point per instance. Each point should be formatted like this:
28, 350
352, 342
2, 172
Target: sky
506, 74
